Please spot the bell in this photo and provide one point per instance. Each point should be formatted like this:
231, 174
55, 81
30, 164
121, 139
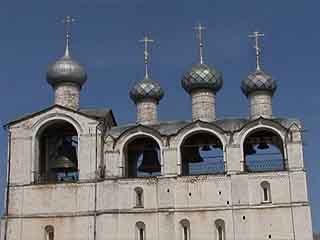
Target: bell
194, 155
263, 145
206, 148
250, 150
63, 163
150, 162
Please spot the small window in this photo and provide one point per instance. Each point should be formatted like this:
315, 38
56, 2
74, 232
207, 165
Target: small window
185, 229
49, 232
266, 193
220, 229
139, 197
140, 231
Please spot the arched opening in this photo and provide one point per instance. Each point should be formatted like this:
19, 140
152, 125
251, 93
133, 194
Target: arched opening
185, 229
139, 197
58, 153
220, 230
140, 231
266, 192
143, 158
263, 151
49, 232
202, 153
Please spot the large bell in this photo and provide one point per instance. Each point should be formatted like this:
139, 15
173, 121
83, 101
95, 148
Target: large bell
150, 162
65, 157
263, 145
206, 148
194, 155
63, 163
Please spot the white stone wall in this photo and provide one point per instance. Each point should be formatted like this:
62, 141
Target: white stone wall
260, 105
203, 105
147, 112
67, 95
76, 209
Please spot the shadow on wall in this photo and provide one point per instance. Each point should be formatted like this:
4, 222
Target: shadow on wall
316, 236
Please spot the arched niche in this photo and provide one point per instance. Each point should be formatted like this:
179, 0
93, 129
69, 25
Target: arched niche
142, 157
201, 153
57, 152
263, 151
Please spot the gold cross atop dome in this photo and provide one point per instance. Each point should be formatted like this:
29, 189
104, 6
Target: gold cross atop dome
146, 40
68, 20
200, 29
256, 36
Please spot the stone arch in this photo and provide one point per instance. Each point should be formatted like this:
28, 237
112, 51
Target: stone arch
184, 136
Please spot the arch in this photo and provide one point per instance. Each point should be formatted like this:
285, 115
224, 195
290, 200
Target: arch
201, 151
56, 149
140, 231
141, 156
139, 197
185, 229
40, 125
263, 149
265, 192
220, 229
49, 232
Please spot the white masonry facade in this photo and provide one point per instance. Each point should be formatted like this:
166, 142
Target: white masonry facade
74, 174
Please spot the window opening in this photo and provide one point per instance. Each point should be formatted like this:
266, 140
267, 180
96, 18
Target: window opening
202, 153
58, 156
143, 158
139, 197
263, 151
266, 192
141, 228
220, 229
185, 227
49, 231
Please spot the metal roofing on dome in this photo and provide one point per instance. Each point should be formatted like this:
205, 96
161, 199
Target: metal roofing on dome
258, 81
202, 77
146, 88
66, 70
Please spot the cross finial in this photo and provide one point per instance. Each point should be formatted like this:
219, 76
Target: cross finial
68, 20
146, 40
256, 36
199, 29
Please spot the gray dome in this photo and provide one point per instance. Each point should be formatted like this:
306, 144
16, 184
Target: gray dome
146, 88
258, 81
202, 77
66, 70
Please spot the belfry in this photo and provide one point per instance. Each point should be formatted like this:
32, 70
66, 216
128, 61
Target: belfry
74, 173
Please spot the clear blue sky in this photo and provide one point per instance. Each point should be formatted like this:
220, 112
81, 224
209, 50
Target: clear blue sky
106, 42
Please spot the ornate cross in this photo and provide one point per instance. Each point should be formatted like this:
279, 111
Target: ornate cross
200, 30
146, 40
68, 20
256, 36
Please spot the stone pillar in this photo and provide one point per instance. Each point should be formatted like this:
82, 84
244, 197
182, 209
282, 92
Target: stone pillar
203, 105
147, 112
67, 95
260, 104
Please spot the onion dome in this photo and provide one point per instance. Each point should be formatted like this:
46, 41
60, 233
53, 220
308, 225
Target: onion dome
202, 77
258, 81
146, 89
66, 69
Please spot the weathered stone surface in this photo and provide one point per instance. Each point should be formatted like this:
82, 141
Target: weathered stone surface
203, 105
147, 112
67, 95
260, 105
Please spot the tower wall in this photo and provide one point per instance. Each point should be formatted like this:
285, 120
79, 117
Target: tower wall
260, 105
147, 112
203, 105
67, 95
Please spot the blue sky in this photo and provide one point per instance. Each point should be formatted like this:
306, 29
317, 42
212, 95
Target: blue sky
105, 40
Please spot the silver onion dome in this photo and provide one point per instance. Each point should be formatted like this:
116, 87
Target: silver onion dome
66, 70
146, 89
258, 81
202, 77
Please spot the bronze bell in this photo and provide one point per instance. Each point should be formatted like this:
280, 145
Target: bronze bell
249, 149
194, 155
206, 148
150, 162
263, 145
63, 163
